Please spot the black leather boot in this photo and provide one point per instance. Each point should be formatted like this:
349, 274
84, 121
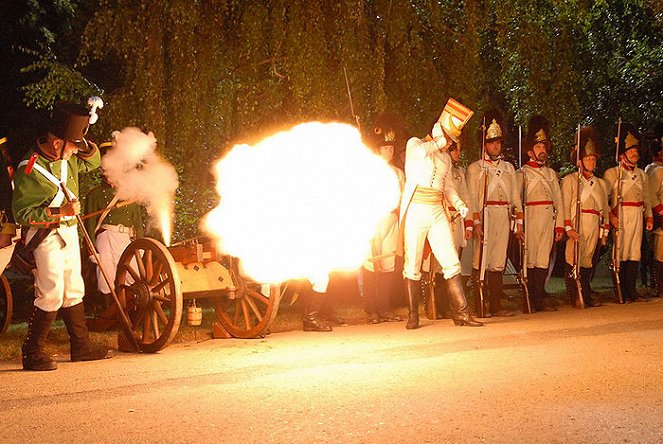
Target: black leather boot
384, 289
413, 290
542, 295
80, 346
370, 292
585, 278
476, 294
458, 303
632, 274
311, 320
33, 354
442, 297
495, 294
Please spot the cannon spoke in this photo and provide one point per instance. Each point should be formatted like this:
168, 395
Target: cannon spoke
149, 266
149, 281
254, 308
141, 265
159, 310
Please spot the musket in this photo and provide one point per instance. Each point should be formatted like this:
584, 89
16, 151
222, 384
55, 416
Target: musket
126, 324
527, 308
616, 239
484, 241
576, 243
352, 108
114, 207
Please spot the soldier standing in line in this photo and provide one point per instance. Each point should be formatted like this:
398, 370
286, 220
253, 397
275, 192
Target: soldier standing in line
655, 173
494, 220
544, 210
41, 208
594, 224
424, 216
630, 211
377, 276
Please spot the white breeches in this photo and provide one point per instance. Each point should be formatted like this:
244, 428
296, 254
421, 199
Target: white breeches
428, 221
589, 237
496, 231
110, 246
631, 233
540, 228
386, 241
58, 280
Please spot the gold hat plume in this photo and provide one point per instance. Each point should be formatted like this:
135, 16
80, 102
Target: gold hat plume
494, 130
630, 141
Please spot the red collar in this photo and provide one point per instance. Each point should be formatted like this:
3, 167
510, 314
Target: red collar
627, 167
587, 174
533, 164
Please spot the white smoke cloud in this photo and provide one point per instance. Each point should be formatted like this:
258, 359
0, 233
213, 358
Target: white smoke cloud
137, 171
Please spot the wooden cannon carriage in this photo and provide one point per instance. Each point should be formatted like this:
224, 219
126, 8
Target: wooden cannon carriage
152, 281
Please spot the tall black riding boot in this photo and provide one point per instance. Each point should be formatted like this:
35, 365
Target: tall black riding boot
370, 292
632, 273
33, 354
311, 320
384, 289
81, 348
542, 275
442, 297
458, 303
413, 289
585, 278
496, 293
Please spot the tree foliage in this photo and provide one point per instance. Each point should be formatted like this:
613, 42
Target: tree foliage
205, 74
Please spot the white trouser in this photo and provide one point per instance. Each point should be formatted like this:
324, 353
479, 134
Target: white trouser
631, 233
496, 229
540, 229
386, 239
110, 245
428, 221
589, 237
58, 279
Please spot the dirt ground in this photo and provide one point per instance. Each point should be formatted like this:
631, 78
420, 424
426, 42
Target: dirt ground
592, 376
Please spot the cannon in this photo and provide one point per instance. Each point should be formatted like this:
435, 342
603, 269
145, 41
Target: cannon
153, 280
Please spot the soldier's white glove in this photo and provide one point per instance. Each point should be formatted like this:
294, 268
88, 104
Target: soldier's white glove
464, 211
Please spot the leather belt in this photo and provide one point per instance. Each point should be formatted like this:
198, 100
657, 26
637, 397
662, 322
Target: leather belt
633, 204
118, 229
539, 202
591, 212
497, 203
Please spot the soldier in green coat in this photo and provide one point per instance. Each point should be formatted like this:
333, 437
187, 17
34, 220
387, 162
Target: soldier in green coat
115, 225
49, 221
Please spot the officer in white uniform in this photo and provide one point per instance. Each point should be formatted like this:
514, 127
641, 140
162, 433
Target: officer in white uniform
423, 213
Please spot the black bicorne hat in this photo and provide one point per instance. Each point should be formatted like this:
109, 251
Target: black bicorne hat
69, 122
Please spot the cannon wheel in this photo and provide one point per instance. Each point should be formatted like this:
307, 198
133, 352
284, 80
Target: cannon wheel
149, 288
6, 304
249, 313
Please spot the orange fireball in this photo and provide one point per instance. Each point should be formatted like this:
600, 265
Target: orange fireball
301, 203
